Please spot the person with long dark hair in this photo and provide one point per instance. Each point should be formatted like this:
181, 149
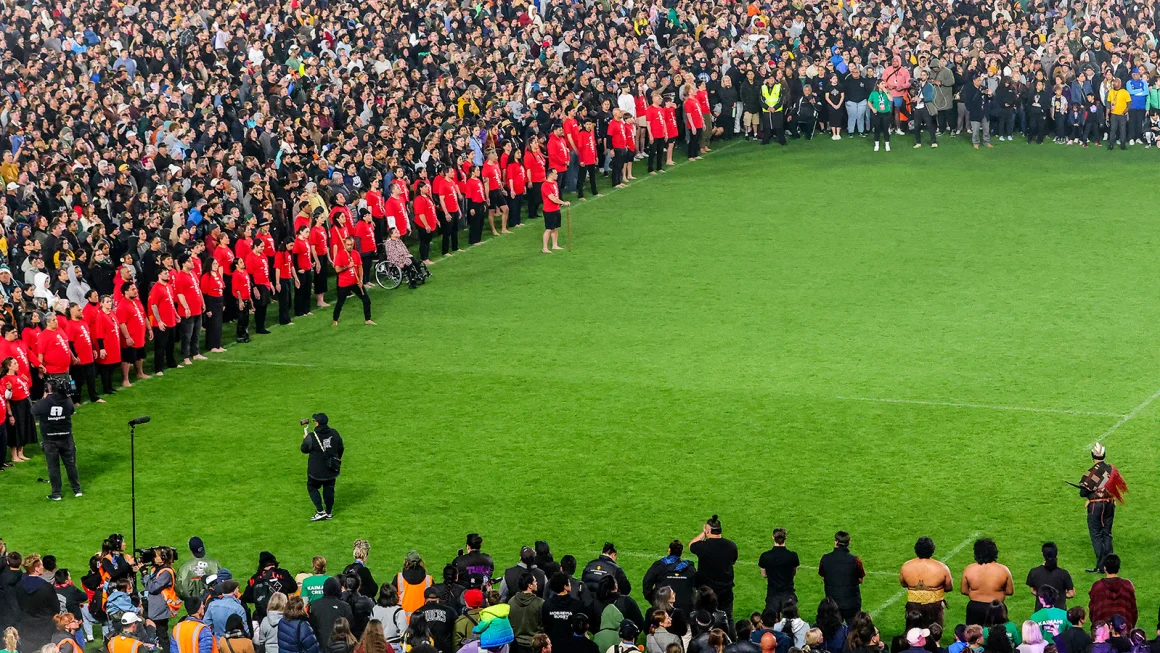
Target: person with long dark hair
321, 258
21, 426
476, 192
833, 627
107, 334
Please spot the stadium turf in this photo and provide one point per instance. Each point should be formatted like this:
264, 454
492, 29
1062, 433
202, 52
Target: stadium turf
817, 337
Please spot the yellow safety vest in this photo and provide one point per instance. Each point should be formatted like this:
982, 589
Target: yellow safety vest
771, 97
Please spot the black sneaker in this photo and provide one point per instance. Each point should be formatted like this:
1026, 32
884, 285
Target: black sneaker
318, 516
53, 497
78, 494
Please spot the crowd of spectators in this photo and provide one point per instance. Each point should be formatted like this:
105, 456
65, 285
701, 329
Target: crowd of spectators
683, 604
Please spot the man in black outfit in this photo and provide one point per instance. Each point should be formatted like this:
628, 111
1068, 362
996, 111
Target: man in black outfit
778, 566
675, 572
603, 566
440, 620
55, 413
324, 446
559, 610
716, 557
842, 575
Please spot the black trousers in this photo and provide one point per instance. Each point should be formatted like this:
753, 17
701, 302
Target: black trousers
725, 604
1118, 128
85, 374
3, 440
590, 172
694, 142
475, 214
214, 308
880, 124
515, 205
1060, 126
242, 332
347, 291
323, 502
535, 199
162, 631
1035, 124
261, 302
163, 341
774, 124
106, 372
302, 292
923, 120
425, 238
190, 329
285, 299
449, 231
1136, 124
656, 154
1100, 516
57, 450
1091, 130
229, 308
323, 274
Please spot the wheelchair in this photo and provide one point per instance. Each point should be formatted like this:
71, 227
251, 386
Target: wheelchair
390, 276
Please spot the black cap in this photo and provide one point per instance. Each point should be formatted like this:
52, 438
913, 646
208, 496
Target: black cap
196, 547
320, 418
628, 630
431, 593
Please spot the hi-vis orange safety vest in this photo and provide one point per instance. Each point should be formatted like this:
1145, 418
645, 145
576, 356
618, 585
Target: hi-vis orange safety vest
122, 644
64, 646
187, 635
410, 596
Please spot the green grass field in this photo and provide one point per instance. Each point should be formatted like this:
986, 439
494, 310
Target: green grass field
820, 337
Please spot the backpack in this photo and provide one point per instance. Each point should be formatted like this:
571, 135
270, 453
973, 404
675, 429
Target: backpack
97, 605
170, 594
264, 587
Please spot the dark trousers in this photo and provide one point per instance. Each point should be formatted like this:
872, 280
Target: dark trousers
775, 601
515, 205
1060, 126
162, 630
3, 440
694, 142
475, 213
347, 291
590, 172
535, 199
923, 119
1006, 121
1118, 128
85, 374
774, 127
449, 230
285, 298
1136, 124
190, 329
880, 124
214, 308
242, 332
229, 308
1035, 126
323, 502
849, 610
977, 612
1100, 515
106, 372
618, 166
261, 302
1091, 130
656, 155
302, 292
55, 451
163, 341
725, 604
424, 243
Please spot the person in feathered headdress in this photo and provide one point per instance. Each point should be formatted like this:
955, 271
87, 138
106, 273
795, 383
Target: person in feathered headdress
1103, 487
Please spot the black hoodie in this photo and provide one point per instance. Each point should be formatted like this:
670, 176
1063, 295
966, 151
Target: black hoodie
324, 611
322, 445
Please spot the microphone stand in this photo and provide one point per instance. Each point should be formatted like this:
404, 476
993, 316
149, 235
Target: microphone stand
133, 480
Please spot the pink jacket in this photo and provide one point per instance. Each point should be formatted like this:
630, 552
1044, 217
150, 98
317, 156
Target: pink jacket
896, 77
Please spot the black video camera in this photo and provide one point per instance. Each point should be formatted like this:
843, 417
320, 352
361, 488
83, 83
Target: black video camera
61, 385
156, 554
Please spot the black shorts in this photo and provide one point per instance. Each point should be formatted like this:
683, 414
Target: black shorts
132, 354
496, 200
551, 219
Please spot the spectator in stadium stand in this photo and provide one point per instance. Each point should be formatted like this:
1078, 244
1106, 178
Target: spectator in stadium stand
1112, 595
716, 556
778, 566
985, 581
842, 575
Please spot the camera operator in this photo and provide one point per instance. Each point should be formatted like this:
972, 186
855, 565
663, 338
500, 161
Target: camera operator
324, 446
115, 563
161, 594
55, 413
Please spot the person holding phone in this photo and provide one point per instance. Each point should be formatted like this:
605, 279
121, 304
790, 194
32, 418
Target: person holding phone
324, 447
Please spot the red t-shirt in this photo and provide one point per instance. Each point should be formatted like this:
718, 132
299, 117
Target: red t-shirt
629, 135
186, 285
517, 178
534, 162
364, 234
586, 147
132, 314
475, 191
18, 350
212, 284
347, 277
656, 121
302, 255
20, 386
547, 190
161, 296
241, 285
376, 204
108, 337
703, 101
259, 269
243, 247
557, 153
425, 213
616, 132
284, 264
53, 346
571, 128
318, 240
225, 258
491, 174
445, 190
670, 122
693, 117
397, 209
82, 341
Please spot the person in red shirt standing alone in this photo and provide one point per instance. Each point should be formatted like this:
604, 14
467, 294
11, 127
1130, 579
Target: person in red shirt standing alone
134, 328
191, 305
350, 280
586, 151
552, 203
163, 313
425, 220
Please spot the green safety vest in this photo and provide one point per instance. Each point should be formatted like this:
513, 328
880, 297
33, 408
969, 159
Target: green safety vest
771, 97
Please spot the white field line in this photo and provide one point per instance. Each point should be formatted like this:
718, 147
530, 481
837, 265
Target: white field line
635, 554
901, 593
274, 363
1126, 418
1027, 409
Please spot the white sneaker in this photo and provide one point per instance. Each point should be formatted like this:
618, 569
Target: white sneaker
1132, 142
837, 137
934, 145
888, 147
318, 516
875, 146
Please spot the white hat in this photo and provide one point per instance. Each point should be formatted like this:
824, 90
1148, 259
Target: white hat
13, 185
129, 618
1098, 450
915, 635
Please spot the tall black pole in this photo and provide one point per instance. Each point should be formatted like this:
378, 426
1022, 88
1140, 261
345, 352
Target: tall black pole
133, 479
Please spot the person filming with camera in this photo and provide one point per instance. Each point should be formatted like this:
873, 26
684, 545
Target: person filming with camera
324, 446
161, 590
55, 413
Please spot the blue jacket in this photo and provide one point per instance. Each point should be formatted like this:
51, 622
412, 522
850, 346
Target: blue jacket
1138, 89
120, 602
220, 610
296, 636
204, 641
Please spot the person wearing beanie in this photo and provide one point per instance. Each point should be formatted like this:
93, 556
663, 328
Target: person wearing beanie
473, 599
326, 610
191, 583
269, 578
526, 615
324, 446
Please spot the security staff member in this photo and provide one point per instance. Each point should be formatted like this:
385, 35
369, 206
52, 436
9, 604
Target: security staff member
55, 413
191, 635
324, 446
603, 566
773, 106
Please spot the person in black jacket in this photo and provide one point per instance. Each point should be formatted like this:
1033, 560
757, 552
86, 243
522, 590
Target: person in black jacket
324, 611
674, 572
9, 579
511, 575
440, 621
368, 586
605, 565
38, 605
324, 446
55, 413
842, 574
269, 578
559, 608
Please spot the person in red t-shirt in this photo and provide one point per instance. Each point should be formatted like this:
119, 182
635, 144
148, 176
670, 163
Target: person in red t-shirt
628, 127
670, 130
536, 165
364, 238
84, 370
305, 263
448, 202
476, 206
107, 334
552, 203
516, 184
213, 291
163, 314
619, 149
350, 280
190, 306
657, 135
241, 298
496, 193
321, 257
586, 152
262, 285
16, 387
284, 280
708, 130
426, 222
694, 122
52, 343
135, 330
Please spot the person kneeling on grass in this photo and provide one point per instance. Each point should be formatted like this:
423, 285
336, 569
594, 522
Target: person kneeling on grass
348, 266
399, 256
552, 203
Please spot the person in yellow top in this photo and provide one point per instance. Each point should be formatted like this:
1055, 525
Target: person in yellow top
9, 170
1118, 102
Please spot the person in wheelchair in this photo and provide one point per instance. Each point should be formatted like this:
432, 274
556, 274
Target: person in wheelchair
399, 256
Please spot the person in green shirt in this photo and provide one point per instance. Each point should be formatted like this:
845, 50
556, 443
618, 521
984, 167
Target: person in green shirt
881, 105
190, 584
312, 585
1052, 620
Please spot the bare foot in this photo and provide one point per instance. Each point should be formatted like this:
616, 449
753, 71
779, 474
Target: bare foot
557, 247
546, 250
583, 199
146, 376
494, 232
186, 361
520, 225
653, 172
428, 262
159, 374
447, 256
219, 350
602, 194
370, 322
126, 384
324, 305
199, 357
505, 231
334, 324
101, 401
307, 314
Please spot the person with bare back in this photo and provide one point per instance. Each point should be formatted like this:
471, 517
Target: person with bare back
926, 581
985, 581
